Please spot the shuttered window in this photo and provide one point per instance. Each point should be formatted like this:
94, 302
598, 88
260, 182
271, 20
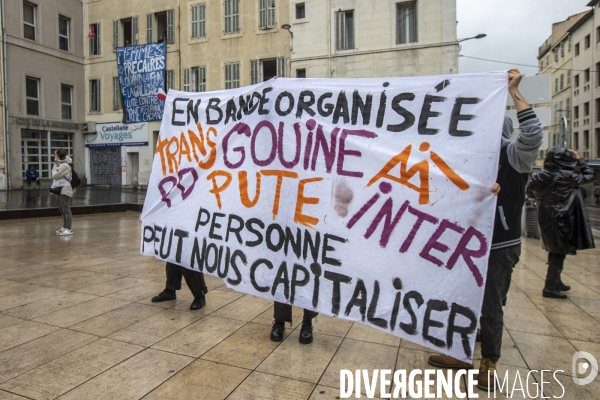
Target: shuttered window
232, 75
116, 24
232, 16
186, 80
95, 95
149, 28
267, 14
170, 81
116, 94
198, 21
171, 26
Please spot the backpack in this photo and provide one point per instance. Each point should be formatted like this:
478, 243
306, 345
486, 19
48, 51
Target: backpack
75, 181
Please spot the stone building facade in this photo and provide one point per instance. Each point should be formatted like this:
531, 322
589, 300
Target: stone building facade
45, 85
357, 39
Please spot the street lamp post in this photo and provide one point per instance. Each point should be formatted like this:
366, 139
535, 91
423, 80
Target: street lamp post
480, 36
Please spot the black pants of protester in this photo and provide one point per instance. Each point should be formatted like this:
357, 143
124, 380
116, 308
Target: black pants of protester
194, 279
556, 260
500, 269
283, 313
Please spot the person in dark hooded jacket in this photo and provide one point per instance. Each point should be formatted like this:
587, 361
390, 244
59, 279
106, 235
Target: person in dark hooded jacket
562, 216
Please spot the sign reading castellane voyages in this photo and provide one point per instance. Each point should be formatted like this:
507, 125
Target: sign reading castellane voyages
365, 199
141, 75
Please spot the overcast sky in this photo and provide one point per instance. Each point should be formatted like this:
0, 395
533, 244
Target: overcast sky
515, 29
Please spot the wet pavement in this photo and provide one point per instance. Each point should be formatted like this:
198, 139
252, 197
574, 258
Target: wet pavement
84, 196
76, 322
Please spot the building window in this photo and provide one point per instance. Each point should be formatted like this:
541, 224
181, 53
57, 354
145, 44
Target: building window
95, 95
36, 150
577, 80
597, 110
587, 42
576, 112
576, 49
232, 75
568, 77
29, 20
116, 93
63, 33
406, 22
194, 79
345, 30
598, 34
586, 140
556, 85
597, 142
170, 81
66, 101
266, 14
300, 10
547, 60
586, 109
597, 74
125, 32
562, 49
198, 21
555, 51
568, 106
263, 70
32, 94
562, 81
232, 16
301, 73
576, 140
94, 35
570, 42
163, 23
586, 75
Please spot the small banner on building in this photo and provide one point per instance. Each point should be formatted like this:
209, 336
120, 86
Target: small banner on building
141, 75
365, 199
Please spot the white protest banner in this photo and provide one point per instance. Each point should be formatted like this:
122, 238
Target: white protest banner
366, 199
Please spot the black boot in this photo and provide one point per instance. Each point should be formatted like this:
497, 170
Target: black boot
560, 286
306, 335
552, 278
277, 331
478, 336
165, 295
198, 303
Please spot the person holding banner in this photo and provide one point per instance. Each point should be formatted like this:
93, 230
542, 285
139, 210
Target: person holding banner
282, 314
194, 280
516, 162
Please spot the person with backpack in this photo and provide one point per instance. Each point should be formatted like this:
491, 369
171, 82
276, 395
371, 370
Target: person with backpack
62, 177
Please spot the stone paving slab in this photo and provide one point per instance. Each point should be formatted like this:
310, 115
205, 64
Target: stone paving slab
76, 322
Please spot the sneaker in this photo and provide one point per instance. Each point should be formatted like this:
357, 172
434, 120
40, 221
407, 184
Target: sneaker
306, 335
66, 232
444, 361
277, 331
58, 232
484, 380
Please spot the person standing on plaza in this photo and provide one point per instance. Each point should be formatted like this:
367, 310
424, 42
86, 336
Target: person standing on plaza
32, 174
282, 314
61, 187
516, 161
194, 280
564, 224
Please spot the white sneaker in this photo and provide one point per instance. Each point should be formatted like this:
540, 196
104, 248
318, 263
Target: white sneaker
66, 232
59, 231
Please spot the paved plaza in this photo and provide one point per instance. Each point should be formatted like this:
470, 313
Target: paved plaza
77, 322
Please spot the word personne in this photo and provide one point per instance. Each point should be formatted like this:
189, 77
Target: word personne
341, 110
296, 261
418, 384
